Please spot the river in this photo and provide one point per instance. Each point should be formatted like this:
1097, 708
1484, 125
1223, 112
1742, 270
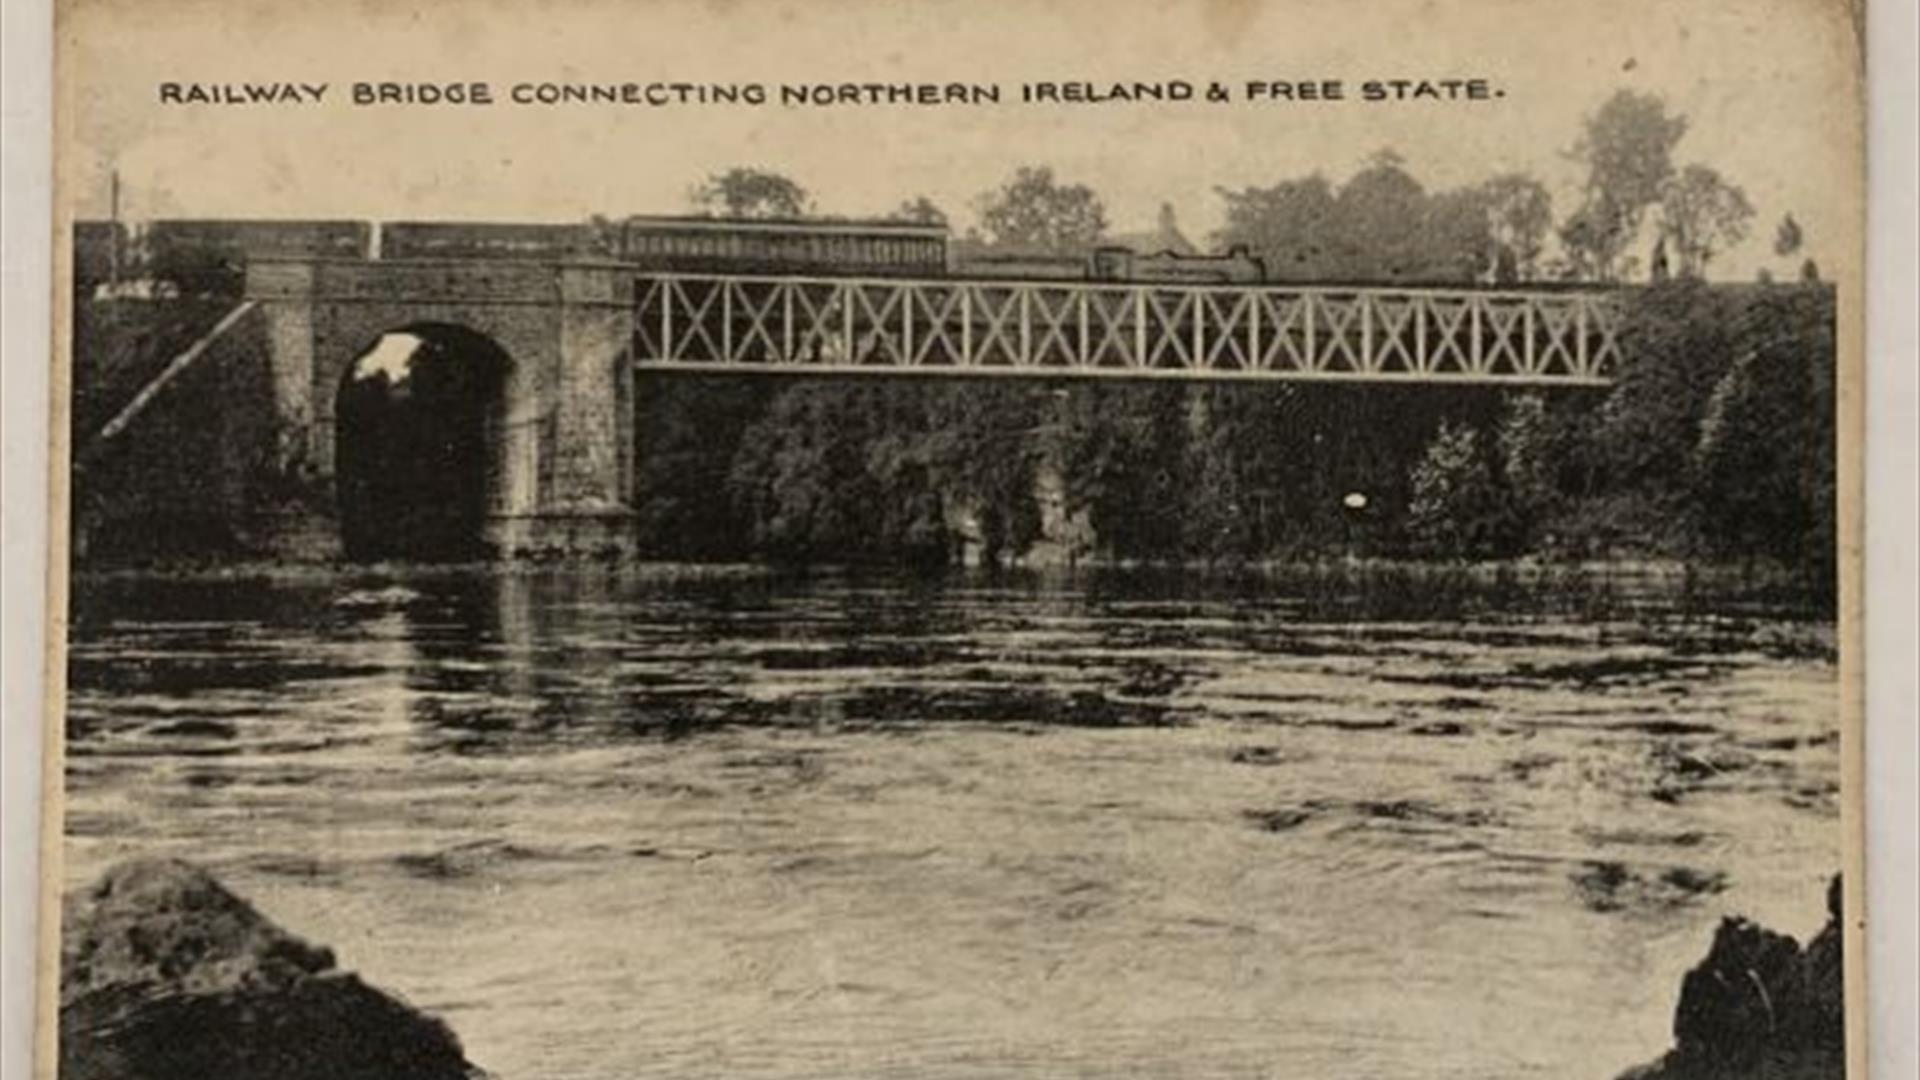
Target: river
609, 825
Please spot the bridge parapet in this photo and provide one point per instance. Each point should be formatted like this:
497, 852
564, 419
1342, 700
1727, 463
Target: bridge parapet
438, 281
829, 325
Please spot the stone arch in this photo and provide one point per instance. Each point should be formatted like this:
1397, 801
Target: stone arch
427, 451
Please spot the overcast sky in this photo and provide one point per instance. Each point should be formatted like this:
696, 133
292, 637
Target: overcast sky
1765, 84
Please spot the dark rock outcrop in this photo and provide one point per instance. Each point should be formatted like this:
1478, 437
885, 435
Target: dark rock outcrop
166, 975
1760, 1007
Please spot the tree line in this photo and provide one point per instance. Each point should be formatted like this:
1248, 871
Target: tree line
1640, 215
1715, 441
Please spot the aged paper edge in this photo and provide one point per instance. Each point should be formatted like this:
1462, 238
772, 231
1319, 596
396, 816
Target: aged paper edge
1850, 405
54, 675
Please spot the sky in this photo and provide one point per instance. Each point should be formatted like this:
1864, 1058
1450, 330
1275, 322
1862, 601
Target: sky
1768, 88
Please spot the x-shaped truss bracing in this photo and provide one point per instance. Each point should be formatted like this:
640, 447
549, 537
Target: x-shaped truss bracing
755, 323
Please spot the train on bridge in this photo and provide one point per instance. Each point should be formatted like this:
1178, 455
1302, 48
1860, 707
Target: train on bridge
851, 296
210, 256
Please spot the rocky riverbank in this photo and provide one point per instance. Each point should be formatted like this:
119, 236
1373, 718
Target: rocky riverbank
166, 975
1760, 1007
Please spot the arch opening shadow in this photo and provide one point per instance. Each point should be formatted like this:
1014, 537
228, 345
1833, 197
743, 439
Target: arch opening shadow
418, 422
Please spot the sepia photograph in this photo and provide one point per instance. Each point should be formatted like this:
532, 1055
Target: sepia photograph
758, 540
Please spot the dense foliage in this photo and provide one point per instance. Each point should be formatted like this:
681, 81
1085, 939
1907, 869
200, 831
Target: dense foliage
1715, 441
1035, 211
1383, 226
187, 477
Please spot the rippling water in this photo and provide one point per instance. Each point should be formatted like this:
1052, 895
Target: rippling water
611, 827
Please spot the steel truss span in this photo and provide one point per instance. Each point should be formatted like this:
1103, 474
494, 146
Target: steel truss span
951, 326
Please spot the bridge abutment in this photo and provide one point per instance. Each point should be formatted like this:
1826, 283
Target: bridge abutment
285, 294
584, 500
593, 389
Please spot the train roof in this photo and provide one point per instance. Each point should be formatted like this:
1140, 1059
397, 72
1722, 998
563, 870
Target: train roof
796, 225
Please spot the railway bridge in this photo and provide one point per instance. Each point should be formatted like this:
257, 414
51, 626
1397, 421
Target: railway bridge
549, 345
567, 337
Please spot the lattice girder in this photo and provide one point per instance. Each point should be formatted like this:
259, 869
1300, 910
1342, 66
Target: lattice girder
1117, 329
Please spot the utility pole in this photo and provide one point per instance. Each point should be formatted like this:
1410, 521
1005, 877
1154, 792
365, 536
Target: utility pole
113, 233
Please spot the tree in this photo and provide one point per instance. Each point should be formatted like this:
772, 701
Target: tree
1120, 449
842, 471
1677, 342
689, 431
1519, 216
921, 211
1543, 454
1763, 466
1787, 238
751, 193
1377, 221
1752, 495
985, 448
1658, 267
1458, 507
1036, 211
1286, 225
1455, 241
1381, 226
1627, 146
1701, 213
1527, 452
1387, 228
1593, 238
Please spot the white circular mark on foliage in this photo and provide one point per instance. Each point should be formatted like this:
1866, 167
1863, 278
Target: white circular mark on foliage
1355, 501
